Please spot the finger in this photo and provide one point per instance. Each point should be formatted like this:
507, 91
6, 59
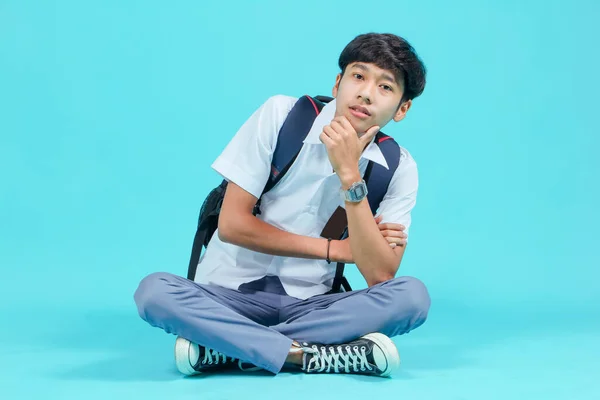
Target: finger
345, 123
396, 241
378, 219
336, 122
372, 131
391, 226
341, 128
341, 119
325, 139
393, 234
330, 131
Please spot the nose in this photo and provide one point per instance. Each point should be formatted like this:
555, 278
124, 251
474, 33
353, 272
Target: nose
365, 93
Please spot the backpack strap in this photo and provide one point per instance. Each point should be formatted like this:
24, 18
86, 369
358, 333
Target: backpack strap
378, 177
208, 220
291, 135
294, 130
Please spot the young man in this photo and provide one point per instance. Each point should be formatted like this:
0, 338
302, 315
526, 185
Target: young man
260, 297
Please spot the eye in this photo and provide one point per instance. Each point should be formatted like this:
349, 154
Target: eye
387, 87
358, 76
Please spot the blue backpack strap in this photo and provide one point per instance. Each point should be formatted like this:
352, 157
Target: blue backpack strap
291, 135
294, 130
378, 178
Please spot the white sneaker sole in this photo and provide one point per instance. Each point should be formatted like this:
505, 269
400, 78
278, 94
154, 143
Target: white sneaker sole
389, 349
185, 351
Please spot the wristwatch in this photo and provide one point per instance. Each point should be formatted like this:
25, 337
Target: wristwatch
355, 193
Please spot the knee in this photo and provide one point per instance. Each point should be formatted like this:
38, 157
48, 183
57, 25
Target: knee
152, 293
413, 297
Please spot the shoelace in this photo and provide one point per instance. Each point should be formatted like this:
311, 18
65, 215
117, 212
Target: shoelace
328, 358
214, 357
248, 367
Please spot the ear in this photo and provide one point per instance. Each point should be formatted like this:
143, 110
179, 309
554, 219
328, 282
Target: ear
336, 87
401, 113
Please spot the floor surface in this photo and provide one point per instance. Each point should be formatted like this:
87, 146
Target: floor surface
459, 353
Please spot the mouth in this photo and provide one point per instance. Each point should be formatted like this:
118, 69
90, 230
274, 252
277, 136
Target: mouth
360, 112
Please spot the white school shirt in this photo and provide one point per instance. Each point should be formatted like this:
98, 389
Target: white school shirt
302, 202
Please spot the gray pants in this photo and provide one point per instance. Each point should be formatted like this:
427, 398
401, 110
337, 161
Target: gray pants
259, 322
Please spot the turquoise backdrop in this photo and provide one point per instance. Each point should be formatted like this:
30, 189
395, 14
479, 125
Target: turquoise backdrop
112, 112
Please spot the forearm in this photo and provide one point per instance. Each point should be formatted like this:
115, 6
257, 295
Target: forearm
254, 234
372, 254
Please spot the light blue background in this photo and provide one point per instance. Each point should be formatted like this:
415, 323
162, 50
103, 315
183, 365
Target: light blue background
112, 112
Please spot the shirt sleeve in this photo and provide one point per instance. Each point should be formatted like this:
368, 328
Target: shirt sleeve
401, 197
246, 160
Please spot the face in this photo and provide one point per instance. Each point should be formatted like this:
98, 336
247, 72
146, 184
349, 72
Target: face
368, 95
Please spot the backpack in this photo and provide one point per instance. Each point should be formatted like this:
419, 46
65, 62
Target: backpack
289, 142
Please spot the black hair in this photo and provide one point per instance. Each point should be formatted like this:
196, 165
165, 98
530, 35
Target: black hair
391, 52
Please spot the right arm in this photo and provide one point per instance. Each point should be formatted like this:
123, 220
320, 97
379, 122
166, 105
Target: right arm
237, 225
247, 161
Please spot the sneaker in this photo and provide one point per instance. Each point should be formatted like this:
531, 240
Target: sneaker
193, 359
373, 354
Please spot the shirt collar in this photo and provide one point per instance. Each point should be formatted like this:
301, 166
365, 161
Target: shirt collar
372, 152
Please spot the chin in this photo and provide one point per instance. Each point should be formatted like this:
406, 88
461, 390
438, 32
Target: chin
360, 126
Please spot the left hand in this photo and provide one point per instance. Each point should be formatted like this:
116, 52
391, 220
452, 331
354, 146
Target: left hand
393, 233
344, 147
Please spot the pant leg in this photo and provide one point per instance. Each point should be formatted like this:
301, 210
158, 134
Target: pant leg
225, 320
393, 308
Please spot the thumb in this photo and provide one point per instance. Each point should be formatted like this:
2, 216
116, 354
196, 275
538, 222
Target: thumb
372, 131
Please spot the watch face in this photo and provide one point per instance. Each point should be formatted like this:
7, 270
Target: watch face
356, 192
359, 191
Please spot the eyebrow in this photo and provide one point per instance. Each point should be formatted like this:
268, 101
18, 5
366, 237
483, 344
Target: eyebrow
384, 76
